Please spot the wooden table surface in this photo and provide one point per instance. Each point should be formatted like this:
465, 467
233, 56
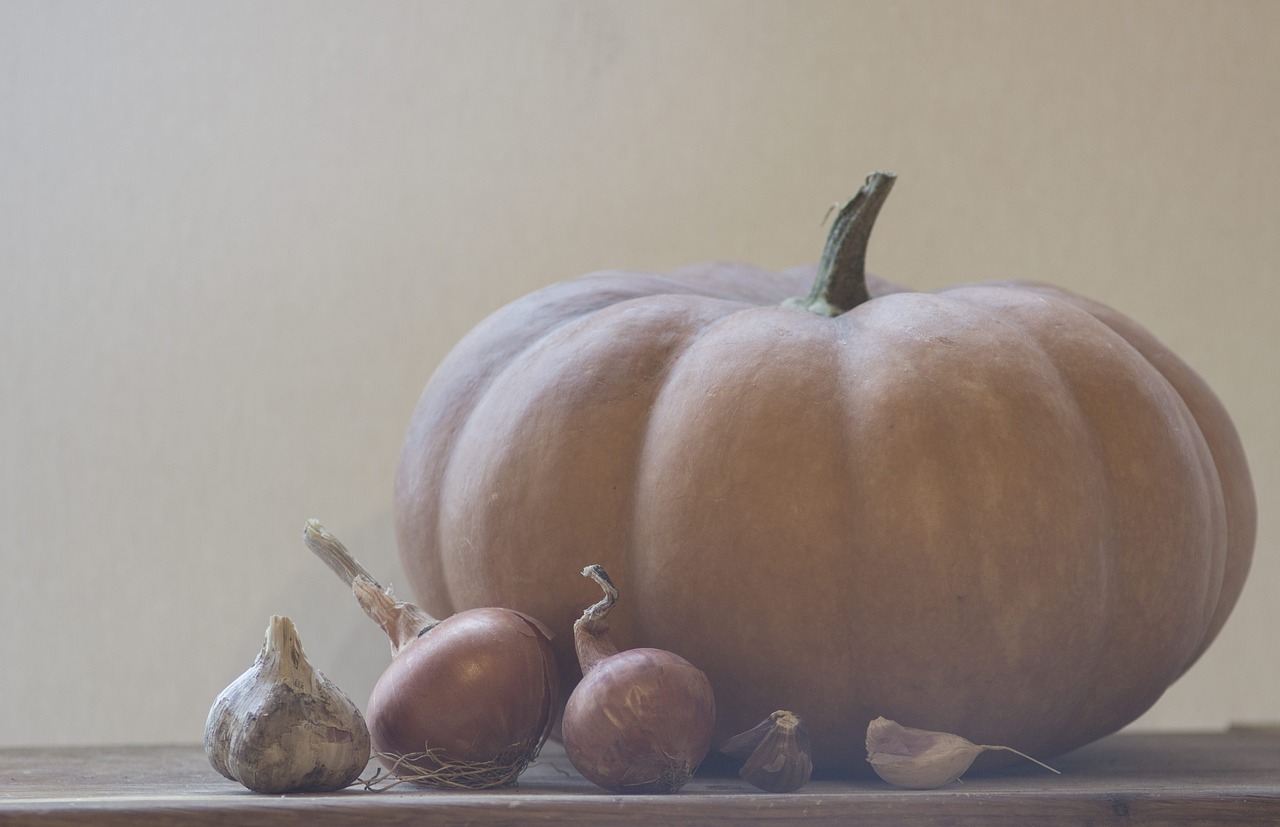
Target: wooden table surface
1230, 777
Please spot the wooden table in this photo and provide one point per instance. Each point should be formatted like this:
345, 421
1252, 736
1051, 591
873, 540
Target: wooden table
1230, 777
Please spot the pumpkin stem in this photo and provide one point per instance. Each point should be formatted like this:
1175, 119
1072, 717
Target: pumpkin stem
841, 284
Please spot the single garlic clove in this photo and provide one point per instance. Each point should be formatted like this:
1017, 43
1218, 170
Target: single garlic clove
777, 753
922, 759
283, 727
916, 758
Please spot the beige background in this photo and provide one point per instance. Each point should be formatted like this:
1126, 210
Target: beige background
235, 238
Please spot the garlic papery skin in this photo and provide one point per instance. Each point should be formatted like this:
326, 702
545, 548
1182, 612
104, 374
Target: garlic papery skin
283, 727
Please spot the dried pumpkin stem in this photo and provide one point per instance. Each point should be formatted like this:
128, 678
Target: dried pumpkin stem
841, 283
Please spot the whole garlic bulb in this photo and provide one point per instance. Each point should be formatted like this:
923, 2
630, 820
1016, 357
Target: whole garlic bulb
283, 727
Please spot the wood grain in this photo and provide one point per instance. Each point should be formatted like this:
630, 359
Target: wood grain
1230, 777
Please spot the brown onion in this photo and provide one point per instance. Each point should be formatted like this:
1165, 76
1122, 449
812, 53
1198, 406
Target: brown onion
641, 720
467, 701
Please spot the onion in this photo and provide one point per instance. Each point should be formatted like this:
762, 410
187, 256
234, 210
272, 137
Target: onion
467, 701
641, 720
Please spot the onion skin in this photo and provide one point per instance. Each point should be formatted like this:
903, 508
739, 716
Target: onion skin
641, 720
466, 702
480, 686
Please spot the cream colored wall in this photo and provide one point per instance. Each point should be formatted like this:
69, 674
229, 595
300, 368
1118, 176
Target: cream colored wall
236, 237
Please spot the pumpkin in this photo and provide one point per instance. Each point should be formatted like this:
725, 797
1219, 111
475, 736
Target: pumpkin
1000, 510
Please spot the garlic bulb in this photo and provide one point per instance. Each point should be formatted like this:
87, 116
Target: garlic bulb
777, 753
920, 759
283, 727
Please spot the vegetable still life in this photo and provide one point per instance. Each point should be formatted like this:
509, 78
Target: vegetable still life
999, 509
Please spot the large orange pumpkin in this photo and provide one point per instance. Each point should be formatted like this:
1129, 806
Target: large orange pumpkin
1000, 510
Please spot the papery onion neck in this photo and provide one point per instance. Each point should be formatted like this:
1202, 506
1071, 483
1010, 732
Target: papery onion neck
591, 631
334, 554
403, 622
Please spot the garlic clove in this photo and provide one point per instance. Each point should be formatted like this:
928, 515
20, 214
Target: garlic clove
283, 727
922, 759
777, 752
